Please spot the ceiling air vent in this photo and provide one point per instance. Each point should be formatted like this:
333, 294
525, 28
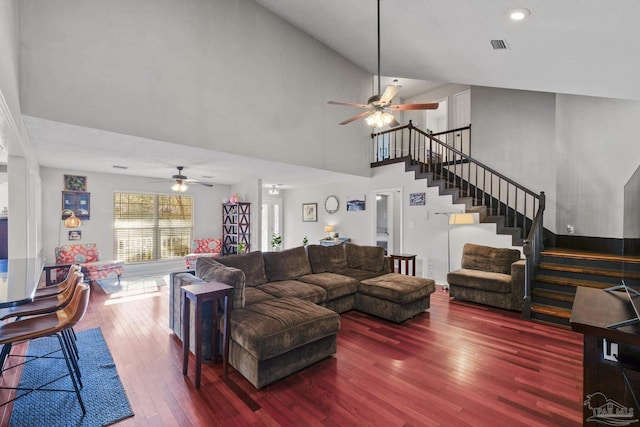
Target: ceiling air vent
499, 44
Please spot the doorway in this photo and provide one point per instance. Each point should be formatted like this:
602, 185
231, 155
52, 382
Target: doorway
271, 221
387, 224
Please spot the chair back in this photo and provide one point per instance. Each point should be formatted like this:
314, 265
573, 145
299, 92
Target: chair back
64, 298
74, 312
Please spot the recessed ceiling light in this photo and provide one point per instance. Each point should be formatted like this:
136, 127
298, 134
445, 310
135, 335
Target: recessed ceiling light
519, 14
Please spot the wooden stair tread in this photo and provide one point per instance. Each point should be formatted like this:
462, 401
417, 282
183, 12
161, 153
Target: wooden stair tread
587, 270
563, 313
553, 295
556, 280
578, 254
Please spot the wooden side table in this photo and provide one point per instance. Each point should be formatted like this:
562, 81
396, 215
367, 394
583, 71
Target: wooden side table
406, 258
199, 294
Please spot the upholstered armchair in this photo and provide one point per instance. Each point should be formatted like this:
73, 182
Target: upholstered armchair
203, 248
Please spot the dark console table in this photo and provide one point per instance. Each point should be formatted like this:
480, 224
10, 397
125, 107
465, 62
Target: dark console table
593, 311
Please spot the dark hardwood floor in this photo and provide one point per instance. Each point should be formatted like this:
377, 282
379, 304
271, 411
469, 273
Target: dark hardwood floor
456, 365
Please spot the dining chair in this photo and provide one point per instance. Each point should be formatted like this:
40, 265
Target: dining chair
49, 325
60, 287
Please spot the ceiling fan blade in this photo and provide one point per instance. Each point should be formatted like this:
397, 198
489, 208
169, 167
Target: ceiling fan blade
404, 107
206, 184
348, 104
388, 94
354, 118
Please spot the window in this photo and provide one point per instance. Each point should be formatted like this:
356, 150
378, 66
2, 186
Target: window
152, 226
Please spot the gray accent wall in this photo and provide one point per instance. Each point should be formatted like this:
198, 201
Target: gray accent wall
579, 150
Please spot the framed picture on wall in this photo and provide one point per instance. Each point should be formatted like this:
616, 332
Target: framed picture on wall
356, 202
75, 183
417, 199
309, 212
77, 201
75, 234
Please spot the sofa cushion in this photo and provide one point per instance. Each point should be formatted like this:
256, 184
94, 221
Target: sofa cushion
486, 258
398, 288
336, 285
286, 265
253, 295
368, 258
251, 264
360, 275
295, 288
482, 280
327, 258
210, 270
276, 326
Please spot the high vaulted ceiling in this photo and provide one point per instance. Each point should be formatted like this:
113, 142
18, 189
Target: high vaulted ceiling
564, 46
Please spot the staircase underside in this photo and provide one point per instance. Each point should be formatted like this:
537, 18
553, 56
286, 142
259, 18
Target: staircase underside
471, 205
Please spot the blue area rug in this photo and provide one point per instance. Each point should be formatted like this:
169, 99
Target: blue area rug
134, 284
103, 394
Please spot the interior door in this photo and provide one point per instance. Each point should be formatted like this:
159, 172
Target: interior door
462, 118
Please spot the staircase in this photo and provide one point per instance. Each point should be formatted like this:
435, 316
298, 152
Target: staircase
443, 159
561, 271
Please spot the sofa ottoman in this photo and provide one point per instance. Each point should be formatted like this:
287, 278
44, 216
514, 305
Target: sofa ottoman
275, 338
395, 297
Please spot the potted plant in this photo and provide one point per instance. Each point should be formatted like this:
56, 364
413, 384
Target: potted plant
276, 242
242, 247
305, 241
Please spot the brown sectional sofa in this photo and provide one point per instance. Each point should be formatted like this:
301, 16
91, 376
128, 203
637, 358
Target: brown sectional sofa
490, 276
286, 304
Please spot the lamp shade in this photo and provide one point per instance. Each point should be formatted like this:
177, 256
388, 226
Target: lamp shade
328, 228
70, 219
462, 218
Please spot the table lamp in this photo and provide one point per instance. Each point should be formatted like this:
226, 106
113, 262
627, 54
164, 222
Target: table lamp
328, 229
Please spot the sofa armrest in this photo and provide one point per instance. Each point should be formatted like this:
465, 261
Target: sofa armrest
517, 282
386, 266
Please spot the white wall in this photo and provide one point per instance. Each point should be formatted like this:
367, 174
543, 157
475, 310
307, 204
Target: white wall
99, 229
424, 232
24, 186
220, 74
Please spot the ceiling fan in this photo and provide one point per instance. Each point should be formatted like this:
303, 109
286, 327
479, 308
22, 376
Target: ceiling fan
181, 181
378, 106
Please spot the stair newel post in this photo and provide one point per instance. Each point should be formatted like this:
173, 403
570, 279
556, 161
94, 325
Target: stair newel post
528, 277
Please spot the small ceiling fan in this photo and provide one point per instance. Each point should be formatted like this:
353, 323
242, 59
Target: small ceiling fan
378, 106
181, 181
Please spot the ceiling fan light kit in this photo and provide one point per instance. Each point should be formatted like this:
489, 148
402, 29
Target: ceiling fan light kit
181, 182
180, 187
376, 114
379, 119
